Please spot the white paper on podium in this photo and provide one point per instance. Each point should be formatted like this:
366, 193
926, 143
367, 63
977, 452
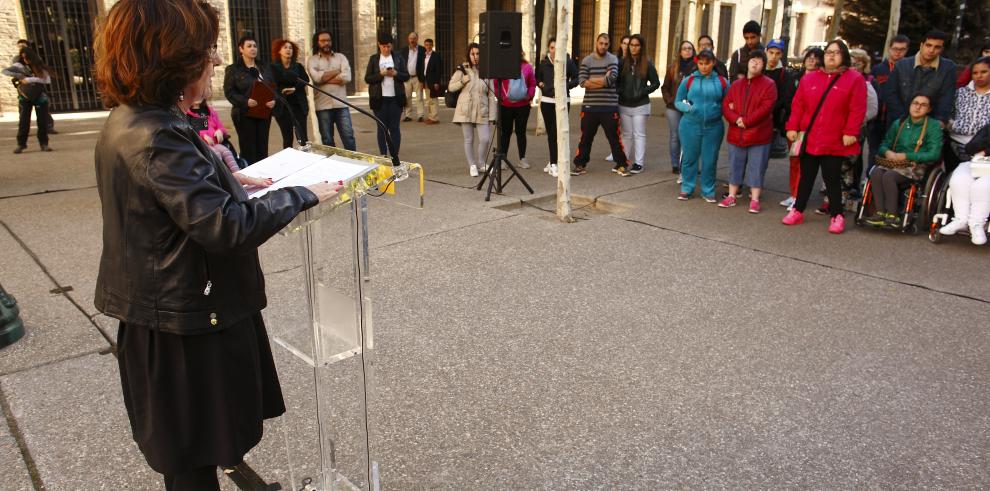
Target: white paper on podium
306, 169
282, 164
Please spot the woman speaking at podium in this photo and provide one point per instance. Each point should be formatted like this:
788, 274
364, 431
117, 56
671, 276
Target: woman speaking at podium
180, 266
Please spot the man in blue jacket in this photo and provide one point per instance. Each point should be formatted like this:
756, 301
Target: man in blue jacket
924, 73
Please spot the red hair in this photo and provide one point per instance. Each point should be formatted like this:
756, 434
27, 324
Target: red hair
277, 46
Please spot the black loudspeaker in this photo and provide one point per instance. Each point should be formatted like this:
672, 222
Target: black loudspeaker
500, 37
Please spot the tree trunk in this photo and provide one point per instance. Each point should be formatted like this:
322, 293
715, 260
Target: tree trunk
564, 19
772, 22
679, 25
549, 23
954, 44
785, 29
892, 24
833, 30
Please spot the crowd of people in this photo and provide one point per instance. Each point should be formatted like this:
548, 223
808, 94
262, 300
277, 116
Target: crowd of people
908, 113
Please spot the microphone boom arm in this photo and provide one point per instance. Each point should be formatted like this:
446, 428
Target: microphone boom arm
393, 154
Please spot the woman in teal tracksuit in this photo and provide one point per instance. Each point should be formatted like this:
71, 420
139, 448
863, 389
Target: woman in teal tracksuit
699, 98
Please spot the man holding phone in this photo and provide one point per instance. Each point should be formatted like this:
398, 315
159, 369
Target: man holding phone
385, 75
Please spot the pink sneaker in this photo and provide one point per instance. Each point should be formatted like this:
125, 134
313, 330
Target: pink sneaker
754, 206
837, 225
793, 217
728, 202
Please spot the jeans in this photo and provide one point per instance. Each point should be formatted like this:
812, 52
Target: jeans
341, 117
24, 123
476, 153
390, 113
673, 126
633, 129
749, 162
831, 166
549, 112
700, 142
510, 118
609, 121
970, 195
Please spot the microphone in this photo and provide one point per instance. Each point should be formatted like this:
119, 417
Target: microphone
284, 102
388, 135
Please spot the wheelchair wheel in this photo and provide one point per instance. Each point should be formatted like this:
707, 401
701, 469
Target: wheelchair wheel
940, 195
935, 181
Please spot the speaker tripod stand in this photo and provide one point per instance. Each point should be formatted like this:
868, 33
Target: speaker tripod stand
493, 174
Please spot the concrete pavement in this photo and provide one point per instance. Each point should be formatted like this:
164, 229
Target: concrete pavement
672, 344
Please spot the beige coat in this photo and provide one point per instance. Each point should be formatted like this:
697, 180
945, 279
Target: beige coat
476, 104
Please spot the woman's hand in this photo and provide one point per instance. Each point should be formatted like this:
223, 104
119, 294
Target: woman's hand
890, 154
270, 104
324, 190
792, 136
256, 181
739, 123
289, 91
252, 103
849, 140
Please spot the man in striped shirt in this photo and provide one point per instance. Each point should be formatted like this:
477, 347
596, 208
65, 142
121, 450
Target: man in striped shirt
598, 74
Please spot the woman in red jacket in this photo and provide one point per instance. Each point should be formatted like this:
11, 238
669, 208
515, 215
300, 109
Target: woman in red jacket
826, 114
748, 108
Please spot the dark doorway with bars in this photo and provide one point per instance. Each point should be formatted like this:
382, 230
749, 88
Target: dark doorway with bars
452, 33
261, 19
335, 16
62, 32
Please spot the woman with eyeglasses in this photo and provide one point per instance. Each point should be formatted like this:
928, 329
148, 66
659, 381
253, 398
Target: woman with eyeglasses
238, 83
913, 144
682, 66
826, 119
179, 268
638, 78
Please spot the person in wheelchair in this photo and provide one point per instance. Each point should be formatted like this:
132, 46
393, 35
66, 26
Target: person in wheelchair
911, 147
971, 193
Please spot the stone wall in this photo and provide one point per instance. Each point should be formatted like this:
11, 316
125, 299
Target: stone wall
11, 29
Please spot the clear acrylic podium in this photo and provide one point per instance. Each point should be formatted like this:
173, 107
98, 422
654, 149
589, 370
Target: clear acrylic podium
320, 323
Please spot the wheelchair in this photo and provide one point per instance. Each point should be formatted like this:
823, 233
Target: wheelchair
941, 212
916, 203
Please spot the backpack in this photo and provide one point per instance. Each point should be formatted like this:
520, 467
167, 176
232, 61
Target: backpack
517, 90
450, 97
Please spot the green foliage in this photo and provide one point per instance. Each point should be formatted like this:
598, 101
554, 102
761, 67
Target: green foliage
864, 23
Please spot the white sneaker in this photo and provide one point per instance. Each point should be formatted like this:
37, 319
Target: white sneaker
474, 171
553, 170
680, 180
978, 233
789, 202
609, 158
953, 227
523, 163
483, 168
547, 168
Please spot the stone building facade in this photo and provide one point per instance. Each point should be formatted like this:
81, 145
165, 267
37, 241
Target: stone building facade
62, 30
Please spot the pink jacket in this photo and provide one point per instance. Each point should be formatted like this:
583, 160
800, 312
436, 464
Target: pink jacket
841, 115
502, 86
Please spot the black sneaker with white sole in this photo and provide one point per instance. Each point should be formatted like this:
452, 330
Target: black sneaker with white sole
636, 169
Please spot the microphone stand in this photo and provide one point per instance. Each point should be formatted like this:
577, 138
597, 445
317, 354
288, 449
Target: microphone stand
396, 164
295, 122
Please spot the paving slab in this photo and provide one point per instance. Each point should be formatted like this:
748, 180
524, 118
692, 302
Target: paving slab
12, 466
953, 266
614, 369
72, 416
54, 328
69, 166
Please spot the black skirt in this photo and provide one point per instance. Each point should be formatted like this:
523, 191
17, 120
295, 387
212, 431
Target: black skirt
196, 401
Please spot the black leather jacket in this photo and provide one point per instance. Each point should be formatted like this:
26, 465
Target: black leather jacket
238, 82
175, 221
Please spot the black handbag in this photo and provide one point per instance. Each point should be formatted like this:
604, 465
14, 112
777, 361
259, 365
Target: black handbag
31, 92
